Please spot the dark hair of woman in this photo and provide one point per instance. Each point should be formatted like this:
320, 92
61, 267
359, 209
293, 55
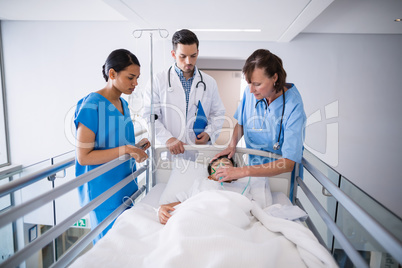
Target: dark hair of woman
118, 60
270, 63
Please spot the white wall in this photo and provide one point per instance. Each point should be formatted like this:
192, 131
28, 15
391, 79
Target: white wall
48, 68
50, 65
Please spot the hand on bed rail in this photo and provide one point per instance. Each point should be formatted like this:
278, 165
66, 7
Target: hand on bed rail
175, 146
138, 154
143, 144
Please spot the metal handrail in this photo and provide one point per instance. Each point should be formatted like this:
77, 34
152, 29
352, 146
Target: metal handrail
355, 257
238, 150
388, 241
73, 251
57, 230
24, 208
9, 171
11, 214
34, 177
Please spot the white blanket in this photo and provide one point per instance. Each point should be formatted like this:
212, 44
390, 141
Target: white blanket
210, 229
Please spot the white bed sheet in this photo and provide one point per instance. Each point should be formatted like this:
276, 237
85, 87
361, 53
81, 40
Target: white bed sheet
210, 229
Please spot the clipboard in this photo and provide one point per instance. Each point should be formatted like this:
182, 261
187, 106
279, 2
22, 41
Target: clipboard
201, 120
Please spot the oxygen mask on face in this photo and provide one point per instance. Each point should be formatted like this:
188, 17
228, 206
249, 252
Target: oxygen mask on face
214, 171
218, 166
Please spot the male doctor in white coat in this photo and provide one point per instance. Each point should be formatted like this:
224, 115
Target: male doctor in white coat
177, 93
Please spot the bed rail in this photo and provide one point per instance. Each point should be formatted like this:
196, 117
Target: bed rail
81, 244
386, 239
356, 258
13, 213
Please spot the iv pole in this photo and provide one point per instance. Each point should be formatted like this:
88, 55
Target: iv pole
164, 34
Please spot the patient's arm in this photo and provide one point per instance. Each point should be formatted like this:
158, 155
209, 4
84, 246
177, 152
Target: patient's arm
164, 210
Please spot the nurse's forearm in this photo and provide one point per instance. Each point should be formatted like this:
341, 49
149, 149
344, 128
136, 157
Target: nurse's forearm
98, 157
270, 169
237, 134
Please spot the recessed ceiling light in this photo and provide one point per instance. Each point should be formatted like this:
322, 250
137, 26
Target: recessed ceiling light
226, 30
398, 19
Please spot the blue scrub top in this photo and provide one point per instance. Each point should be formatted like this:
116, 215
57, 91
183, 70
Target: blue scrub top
261, 126
112, 129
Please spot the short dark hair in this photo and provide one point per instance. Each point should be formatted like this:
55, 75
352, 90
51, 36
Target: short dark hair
184, 37
269, 62
118, 60
220, 157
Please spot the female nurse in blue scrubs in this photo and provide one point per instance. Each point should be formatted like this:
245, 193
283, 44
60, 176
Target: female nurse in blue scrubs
105, 131
271, 118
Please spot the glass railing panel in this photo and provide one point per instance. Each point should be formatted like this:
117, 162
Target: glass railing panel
361, 239
31, 226
6, 242
17, 234
69, 238
65, 206
385, 217
330, 173
7, 231
68, 203
5, 201
328, 202
10, 238
44, 214
44, 257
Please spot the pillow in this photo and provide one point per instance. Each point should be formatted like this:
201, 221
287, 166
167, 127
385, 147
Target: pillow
182, 177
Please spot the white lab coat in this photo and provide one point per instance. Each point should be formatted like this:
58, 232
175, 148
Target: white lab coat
170, 107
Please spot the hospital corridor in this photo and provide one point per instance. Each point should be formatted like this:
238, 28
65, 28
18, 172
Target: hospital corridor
210, 134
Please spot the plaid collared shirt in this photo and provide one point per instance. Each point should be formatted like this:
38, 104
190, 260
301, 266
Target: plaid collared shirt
185, 83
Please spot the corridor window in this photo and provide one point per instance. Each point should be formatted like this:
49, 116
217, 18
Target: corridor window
4, 159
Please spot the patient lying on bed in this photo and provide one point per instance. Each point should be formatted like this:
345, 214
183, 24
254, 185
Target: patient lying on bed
210, 229
241, 186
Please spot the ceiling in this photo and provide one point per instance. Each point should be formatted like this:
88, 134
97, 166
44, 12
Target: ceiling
276, 20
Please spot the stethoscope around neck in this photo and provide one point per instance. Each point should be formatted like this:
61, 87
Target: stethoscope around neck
276, 145
196, 86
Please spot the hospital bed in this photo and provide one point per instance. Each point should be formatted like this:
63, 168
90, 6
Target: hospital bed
207, 223
138, 236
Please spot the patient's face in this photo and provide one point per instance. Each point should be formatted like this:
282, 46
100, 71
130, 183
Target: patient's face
217, 164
